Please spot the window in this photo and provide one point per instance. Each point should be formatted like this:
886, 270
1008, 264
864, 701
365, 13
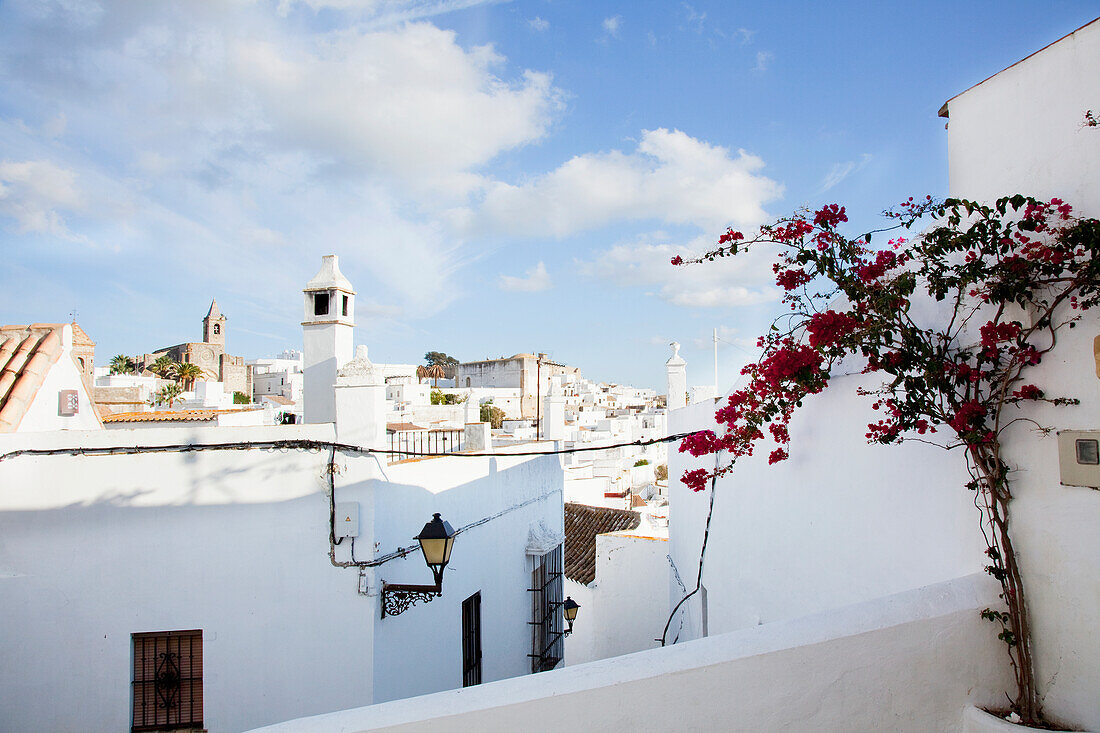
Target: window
467, 381
546, 603
167, 685
320, 304
345, 308
217, 328
471, 640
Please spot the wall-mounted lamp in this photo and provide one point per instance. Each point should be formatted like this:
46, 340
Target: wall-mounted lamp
436, 540
570, 608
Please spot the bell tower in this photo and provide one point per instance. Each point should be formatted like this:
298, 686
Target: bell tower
327, 338
213, 326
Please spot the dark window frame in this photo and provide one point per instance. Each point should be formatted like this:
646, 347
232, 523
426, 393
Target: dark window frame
547, 624
471, 640
320, 304
166, 680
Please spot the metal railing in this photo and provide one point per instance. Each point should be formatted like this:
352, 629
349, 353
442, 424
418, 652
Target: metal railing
433, 442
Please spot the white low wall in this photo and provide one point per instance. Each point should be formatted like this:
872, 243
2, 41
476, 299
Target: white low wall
909, 662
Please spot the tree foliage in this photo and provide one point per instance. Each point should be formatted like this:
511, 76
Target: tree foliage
493, 415
122, 364
438, 357
1003, 280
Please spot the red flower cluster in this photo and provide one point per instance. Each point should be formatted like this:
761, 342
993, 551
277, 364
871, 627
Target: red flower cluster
830, 215
868, 272
677, 260
730, 236
797, 363
994, 333
968, 418
827, 327
1028, 392
791, 279
793, 231
777, 455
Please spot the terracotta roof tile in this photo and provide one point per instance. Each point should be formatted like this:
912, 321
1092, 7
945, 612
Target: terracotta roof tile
165, 416
278, 399
582, 524
400, 427
25, 358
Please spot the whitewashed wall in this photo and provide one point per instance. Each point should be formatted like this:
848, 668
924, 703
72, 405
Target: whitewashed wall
1023, 131
843, 521
95, 548
624, 609
838, 523
905, 663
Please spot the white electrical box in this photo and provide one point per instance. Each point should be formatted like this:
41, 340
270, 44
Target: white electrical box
347, 519
1079, 457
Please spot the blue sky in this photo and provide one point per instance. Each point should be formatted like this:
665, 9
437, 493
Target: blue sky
496, 177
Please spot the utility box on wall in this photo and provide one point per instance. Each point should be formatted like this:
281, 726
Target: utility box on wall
347, 519
1079, 457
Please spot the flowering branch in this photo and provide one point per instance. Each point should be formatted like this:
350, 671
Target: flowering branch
1008, 277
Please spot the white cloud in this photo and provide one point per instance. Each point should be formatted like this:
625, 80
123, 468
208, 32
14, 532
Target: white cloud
734, 281
538, 24
36, 194
246, 134
744, 35
535, 280
840, 171
611, 25
763, 60
670, 176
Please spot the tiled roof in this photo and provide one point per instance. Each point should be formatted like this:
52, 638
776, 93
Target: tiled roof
278, 399
401, 427
165, 416
582, 524
24, 361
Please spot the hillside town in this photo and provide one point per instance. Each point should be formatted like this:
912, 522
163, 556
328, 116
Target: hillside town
195, 538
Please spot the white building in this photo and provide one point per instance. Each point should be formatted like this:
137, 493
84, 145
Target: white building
247, 568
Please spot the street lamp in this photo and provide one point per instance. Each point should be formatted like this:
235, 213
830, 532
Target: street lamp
436, 541
570, 607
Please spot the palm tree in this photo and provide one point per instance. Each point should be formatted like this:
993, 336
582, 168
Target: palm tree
187, 373
168, 394
435, 371
162, 367
421, 373
122, 364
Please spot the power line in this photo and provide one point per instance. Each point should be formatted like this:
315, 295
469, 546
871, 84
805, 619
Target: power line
313, 445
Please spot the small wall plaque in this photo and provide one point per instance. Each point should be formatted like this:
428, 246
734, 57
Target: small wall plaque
68, 402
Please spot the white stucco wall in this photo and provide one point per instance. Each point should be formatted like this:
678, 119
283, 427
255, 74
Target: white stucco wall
1022, 130
95, 548
843, 521
43, 413
625, 607
910, 662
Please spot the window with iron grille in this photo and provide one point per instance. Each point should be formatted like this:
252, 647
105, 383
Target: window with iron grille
546, 609
471, 640
167, 681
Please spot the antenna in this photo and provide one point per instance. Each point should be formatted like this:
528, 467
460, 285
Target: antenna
72, 315
716, 392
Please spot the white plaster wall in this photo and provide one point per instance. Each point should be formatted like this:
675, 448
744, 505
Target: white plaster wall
490, 558
94, 548
838, 523
42, 414
626, 606
905, 663
327, 347
1022, 131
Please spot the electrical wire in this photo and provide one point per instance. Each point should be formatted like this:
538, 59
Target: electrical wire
314, 445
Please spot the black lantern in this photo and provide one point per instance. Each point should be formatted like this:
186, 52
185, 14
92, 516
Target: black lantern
570, 607
436, 540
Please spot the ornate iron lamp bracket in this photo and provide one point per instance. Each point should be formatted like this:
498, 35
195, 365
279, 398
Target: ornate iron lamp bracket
398, 598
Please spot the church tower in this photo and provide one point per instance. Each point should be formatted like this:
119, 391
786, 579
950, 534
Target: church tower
213, 326
327, 338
